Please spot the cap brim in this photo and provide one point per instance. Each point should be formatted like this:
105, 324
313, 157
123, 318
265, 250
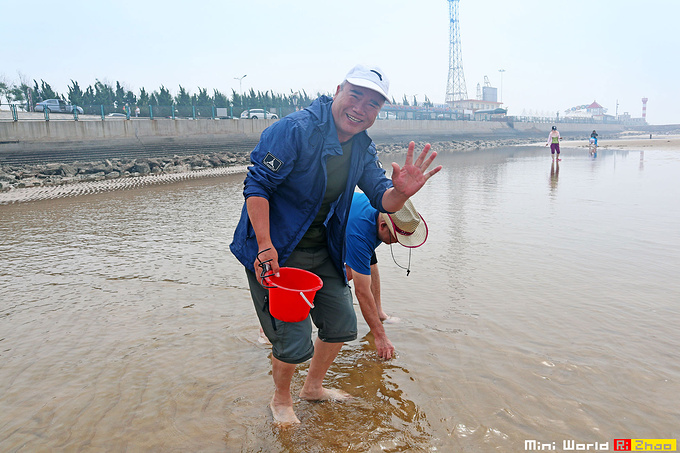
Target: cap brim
370, 85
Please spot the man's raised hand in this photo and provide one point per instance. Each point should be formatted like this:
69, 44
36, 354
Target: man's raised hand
410, 178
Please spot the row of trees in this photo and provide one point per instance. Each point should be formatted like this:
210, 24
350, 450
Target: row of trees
92, 98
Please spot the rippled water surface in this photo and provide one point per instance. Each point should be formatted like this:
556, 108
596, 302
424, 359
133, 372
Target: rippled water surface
544, 305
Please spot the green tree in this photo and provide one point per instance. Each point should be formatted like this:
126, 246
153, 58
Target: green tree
183, 102
20, 93
104, 95
4, 91
44, 91
251, 100
119, 96
89, 101
203, 103
143, 102
164, 97
143, 97
203, 98
220, 99
237, 99
75, 94
130, 98
183, 98
164, 102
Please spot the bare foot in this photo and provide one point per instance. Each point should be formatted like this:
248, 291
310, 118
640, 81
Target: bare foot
326, 395
283, 414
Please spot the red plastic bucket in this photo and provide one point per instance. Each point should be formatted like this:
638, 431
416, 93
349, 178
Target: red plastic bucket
291, 293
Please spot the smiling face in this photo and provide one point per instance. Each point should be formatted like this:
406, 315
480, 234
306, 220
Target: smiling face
355, 109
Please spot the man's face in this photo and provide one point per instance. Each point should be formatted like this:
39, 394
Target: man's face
355, 109
384, 233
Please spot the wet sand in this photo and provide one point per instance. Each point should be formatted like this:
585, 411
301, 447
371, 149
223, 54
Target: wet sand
632, 142
543, 306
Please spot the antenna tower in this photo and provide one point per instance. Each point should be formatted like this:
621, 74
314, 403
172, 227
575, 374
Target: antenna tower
456, 90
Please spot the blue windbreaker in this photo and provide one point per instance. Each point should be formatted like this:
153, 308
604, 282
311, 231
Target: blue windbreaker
289, 169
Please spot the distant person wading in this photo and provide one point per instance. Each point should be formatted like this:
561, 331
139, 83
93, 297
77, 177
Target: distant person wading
554, 142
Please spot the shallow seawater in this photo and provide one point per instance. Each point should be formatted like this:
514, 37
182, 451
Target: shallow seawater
543, 306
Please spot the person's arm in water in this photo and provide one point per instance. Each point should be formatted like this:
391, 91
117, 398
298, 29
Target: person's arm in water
375, 290
362, 289
258, 213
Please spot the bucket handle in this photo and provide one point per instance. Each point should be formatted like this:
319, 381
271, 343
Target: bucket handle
311, 305
266, 271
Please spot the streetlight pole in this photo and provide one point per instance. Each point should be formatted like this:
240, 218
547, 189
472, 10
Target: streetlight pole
240, 87
501, 71
240, 80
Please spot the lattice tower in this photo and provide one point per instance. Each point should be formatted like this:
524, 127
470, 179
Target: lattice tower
456, 90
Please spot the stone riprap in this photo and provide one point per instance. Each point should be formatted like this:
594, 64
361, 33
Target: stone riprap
30, 182
53, 174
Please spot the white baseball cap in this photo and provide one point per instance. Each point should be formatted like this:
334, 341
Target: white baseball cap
370, 77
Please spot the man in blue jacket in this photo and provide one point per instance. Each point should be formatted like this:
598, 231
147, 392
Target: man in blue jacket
298, 194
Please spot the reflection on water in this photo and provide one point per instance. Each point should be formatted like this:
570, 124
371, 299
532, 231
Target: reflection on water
534, 311
379, 414
554, 175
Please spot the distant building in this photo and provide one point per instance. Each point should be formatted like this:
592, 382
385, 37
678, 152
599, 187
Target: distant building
479, 109
595, 109
589, 112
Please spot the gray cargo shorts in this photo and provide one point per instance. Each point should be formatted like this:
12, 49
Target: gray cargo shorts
333, 313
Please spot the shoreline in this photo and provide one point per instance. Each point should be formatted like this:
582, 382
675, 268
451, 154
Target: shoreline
24, 177
638, 142
31, 182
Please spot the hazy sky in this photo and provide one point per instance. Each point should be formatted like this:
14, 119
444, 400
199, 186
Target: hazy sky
556, 53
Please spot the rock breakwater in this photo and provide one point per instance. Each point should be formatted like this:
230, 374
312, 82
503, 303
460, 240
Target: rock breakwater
31, 182
56, 174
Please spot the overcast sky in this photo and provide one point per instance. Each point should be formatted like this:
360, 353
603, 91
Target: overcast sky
556, 53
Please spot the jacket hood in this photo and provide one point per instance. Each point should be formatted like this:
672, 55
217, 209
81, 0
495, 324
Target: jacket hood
321, 109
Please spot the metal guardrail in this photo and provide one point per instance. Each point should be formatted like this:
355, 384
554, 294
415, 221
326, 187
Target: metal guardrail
18, 112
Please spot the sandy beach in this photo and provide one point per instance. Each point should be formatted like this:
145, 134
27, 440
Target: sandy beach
632, 142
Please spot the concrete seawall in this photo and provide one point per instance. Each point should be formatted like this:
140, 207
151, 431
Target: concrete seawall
64, 140
92, 129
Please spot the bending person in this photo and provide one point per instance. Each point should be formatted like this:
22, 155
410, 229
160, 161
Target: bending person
366, 230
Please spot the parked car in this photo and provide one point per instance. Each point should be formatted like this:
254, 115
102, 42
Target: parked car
257, 113
55, 106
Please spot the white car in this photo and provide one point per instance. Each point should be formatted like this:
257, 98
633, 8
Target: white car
258, 113
56, 106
